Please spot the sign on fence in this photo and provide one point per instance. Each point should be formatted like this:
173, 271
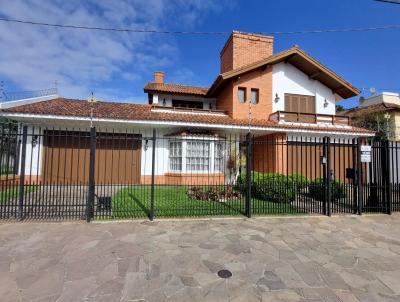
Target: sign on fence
365, 154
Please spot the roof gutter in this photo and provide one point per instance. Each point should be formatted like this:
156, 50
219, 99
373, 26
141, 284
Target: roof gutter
186, 124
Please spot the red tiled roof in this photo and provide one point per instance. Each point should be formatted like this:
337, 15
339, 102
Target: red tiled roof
143, 112
371, 108
301, 60
175, 88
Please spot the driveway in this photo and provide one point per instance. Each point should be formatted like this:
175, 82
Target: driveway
271, 259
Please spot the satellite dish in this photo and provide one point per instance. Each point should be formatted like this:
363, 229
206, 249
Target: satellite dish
372, 90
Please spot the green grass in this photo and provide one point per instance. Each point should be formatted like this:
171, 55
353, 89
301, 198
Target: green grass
172, 201
13, 192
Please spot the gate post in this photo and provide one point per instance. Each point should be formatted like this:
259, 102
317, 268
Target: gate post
153, 166
329, 174
22, 174
248, 174
91, 187
354, 181
386, 173
359, 179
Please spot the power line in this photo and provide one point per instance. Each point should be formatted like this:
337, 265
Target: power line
389, 1
156, 31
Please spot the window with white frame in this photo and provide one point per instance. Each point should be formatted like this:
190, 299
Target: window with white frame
196, 155
219, 156
175, 156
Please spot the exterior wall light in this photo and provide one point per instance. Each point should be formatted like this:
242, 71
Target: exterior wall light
277, 98
34, 141
326, 103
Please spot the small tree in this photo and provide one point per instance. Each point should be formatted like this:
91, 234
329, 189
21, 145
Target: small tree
375, 121
339, 108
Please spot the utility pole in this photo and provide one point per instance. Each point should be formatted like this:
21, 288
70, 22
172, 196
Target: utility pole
92, 100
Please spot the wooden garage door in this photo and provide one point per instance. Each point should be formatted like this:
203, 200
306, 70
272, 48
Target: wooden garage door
67, 153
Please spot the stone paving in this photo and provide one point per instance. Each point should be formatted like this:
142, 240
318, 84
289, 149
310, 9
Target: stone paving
295, 259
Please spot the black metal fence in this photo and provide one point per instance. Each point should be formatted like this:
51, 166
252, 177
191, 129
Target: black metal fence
56, 174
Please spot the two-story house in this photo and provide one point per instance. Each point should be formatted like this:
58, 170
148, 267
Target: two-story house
280, 97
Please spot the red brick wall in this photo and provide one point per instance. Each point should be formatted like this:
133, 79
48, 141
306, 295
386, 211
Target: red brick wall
270, 153
243, 48
260, 79
224, 99
185, 179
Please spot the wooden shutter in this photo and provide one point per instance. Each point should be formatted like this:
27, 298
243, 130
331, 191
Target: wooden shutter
299, 103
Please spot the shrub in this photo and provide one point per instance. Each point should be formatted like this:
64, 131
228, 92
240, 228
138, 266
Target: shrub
219, 193
316, 189
273, 187
299, 181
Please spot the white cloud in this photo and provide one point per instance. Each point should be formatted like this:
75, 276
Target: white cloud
33, 57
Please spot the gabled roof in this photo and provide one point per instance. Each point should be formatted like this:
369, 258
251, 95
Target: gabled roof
126, 112
382, 107
175, 89
301, 60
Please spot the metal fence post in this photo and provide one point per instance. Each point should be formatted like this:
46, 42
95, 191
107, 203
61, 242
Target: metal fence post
153, 166
22, 173
324, 175
248, 174
359, 180
329, 174
355, 173
91, 187
386, 173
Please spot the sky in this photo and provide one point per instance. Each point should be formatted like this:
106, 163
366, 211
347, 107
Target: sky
116, 66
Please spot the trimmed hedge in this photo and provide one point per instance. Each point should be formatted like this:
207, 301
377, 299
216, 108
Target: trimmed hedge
273, 187
317, 191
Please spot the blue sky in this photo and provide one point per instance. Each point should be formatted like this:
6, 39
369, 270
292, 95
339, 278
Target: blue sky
117, 65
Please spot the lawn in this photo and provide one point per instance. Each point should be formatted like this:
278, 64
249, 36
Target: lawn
172, 201
13, 192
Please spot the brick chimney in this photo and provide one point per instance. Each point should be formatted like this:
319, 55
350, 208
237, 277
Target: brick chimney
245, 48
159, 77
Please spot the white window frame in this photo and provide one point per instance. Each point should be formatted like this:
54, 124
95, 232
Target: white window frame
169, 155
184, 141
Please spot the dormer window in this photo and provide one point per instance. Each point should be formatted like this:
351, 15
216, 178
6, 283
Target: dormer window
242, 95
254, 95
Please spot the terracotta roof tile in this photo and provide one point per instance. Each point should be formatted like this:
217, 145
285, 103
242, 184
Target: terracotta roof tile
143, 112
371, 108
175, 88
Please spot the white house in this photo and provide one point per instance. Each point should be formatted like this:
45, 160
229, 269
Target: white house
278, 97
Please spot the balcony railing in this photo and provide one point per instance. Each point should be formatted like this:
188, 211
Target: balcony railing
189, 110
311, 118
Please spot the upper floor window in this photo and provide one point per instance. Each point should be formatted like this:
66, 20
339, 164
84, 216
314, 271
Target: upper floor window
241, 94
187, 104
299, 103
254, 95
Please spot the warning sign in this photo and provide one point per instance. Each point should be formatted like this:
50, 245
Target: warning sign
365, 154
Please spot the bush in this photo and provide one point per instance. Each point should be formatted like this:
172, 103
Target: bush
273, 187
219, 193
299, 181
316, 189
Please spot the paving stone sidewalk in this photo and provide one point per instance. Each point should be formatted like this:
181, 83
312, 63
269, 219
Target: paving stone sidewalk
345, 259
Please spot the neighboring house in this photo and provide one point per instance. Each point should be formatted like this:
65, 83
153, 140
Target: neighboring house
291, 96
386, 105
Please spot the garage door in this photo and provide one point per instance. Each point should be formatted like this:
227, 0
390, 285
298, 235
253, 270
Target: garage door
66, 158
